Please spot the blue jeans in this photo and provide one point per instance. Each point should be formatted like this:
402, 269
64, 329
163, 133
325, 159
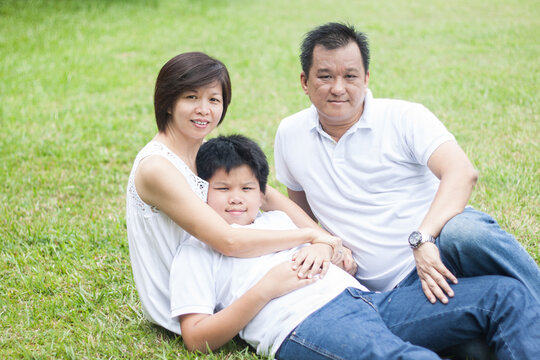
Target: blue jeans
473, 244
402, 324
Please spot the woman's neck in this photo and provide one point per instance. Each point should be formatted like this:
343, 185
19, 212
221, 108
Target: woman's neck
185, 149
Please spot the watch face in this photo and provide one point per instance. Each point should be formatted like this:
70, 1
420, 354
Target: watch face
415, 238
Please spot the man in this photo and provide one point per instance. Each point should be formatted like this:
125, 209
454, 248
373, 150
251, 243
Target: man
387, 178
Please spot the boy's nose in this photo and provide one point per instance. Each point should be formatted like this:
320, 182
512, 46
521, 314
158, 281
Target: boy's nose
235, 199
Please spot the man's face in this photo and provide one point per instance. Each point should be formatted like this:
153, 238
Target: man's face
336, 85
235, 196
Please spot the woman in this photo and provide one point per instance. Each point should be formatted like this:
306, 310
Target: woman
166, 199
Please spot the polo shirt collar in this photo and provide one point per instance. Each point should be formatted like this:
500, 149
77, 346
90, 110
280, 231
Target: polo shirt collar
365, 121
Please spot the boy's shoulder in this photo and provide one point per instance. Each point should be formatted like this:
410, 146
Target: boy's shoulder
273, 220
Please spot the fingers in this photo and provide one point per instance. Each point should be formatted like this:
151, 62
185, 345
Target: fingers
324, 268
435, 285
297, 259
350, 266
338, 256
427, 291
310, 267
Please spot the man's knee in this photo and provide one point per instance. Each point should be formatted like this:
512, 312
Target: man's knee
468, 230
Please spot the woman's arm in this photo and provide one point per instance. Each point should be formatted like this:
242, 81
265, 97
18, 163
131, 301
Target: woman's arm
161, 185
202, 331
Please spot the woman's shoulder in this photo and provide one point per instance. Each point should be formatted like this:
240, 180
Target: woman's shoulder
155, 161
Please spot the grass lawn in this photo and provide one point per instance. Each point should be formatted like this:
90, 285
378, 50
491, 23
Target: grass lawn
76, 93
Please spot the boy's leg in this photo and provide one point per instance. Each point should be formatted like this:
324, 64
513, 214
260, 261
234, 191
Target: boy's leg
348, 327
473, 244
496, 307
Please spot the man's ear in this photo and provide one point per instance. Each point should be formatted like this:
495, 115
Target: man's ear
366, 79
303, 81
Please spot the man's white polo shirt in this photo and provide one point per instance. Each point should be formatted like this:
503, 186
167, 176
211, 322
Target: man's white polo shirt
372, 188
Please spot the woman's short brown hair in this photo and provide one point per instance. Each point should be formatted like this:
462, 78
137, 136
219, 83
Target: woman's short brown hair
184, 72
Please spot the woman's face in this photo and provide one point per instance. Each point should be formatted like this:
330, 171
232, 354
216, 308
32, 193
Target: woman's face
197, 112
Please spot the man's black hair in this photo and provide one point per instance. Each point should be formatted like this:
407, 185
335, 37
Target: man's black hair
229, 152
332, 36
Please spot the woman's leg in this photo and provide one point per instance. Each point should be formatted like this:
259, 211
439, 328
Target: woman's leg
348, 327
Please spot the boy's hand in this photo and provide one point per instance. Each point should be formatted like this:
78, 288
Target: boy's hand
281, 280
312, 260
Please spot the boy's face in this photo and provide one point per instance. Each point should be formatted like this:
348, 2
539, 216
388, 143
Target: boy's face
235, 196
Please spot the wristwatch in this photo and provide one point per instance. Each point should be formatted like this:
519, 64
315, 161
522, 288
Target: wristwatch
417, 238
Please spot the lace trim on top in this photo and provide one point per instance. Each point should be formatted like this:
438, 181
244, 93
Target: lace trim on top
198, 185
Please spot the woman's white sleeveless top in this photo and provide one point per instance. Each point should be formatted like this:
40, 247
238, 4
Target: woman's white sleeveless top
153, 239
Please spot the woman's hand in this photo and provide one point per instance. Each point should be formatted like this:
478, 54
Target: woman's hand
348, 263
312, 260
281, 280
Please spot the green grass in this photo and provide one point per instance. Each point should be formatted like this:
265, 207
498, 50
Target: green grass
76, 106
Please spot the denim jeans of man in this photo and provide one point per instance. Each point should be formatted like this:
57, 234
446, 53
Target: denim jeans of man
402, 324
473, 244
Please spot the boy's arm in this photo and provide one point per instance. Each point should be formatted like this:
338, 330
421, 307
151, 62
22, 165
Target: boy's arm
203, 331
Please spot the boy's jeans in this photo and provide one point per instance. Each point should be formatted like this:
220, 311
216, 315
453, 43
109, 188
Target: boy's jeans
366, 325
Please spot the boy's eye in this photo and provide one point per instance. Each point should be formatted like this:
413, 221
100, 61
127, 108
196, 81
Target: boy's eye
222, 188
248, 188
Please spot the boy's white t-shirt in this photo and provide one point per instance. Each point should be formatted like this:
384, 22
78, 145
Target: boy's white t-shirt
205, 281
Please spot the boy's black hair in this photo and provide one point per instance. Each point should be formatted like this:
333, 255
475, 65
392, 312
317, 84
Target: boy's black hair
229, 152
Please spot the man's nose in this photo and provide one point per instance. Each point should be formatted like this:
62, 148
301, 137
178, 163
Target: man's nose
338, 86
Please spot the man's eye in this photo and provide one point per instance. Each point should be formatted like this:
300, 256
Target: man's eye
222, 189
247, 188
324, 77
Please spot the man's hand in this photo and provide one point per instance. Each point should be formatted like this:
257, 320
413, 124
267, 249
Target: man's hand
312, 260
433, 274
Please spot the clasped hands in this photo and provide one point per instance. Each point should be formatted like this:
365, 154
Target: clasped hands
315, 259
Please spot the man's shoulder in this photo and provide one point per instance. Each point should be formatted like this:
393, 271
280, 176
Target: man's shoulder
387, 104
302, 119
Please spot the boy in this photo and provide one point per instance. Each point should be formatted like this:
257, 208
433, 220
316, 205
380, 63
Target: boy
262, 299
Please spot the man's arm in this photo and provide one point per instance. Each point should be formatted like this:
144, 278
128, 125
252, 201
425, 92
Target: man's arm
203, 331
296, 210
457, 179
299, 197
